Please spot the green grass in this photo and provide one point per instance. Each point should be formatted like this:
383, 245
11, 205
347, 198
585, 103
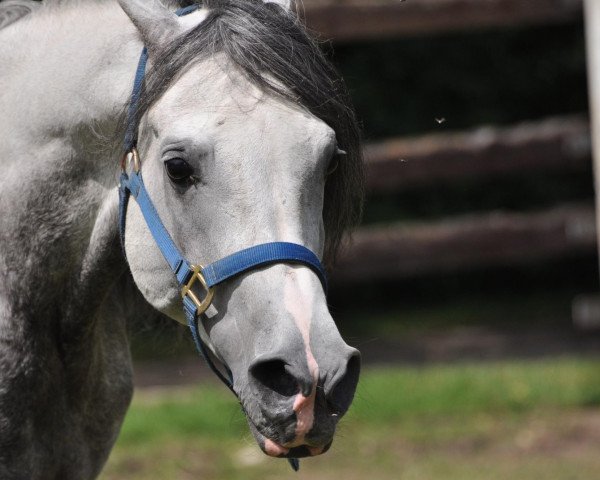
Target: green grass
383, 396
510, 419
206, 411
389, 395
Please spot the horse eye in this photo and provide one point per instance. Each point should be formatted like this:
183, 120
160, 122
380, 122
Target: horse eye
178, 170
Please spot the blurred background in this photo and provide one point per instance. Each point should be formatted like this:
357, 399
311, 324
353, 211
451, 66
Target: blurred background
471, 286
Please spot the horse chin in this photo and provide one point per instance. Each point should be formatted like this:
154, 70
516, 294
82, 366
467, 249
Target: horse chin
274, 449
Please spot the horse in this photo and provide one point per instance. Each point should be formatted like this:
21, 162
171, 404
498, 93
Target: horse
246, 135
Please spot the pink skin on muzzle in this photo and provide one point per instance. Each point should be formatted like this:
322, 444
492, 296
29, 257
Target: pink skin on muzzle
298, 299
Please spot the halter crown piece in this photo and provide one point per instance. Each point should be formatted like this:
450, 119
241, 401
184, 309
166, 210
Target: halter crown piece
187, 274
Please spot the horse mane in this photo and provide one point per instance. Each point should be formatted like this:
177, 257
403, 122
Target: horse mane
13, 10
273, 49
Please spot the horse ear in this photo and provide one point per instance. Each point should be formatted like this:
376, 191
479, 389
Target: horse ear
156, 23
285, 4
152, 19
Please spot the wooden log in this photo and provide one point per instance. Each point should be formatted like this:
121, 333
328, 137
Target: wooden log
345, 20
555, 144
495, 239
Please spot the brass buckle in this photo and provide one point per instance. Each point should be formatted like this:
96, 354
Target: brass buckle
131, 157
187, 290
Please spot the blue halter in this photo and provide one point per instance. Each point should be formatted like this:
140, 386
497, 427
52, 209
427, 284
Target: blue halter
209, 276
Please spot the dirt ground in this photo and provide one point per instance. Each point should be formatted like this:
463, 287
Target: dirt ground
539, 445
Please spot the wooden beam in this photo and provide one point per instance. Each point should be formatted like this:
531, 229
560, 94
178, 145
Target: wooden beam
345, 20
559, 144
495, 239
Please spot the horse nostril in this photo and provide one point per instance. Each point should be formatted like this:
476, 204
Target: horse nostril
341, 391
273, 375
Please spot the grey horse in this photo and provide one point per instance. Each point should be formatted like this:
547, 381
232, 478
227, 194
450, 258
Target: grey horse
246, 136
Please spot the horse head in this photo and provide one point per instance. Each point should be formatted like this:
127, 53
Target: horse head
246, 137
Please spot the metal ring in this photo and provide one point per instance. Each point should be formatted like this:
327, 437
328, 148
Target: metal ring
128, 158
186, 291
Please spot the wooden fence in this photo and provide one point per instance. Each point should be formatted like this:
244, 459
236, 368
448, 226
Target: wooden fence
557, 144
352, 20
472, 241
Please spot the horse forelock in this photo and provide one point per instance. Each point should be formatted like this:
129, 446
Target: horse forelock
275, 52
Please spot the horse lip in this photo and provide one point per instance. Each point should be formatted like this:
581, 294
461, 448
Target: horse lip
275, 449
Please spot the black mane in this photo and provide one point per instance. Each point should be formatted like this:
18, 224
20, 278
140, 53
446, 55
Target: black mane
261, 38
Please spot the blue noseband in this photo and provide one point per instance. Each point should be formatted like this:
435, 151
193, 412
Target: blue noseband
209, 276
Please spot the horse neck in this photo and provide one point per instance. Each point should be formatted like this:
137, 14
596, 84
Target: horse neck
65, 76
66, 70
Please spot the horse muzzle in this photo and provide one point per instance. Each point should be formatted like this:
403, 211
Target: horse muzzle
293, 415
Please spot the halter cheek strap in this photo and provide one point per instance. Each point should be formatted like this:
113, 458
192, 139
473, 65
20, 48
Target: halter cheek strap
209, 276
188, 274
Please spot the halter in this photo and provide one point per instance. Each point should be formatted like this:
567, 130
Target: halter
188, 274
